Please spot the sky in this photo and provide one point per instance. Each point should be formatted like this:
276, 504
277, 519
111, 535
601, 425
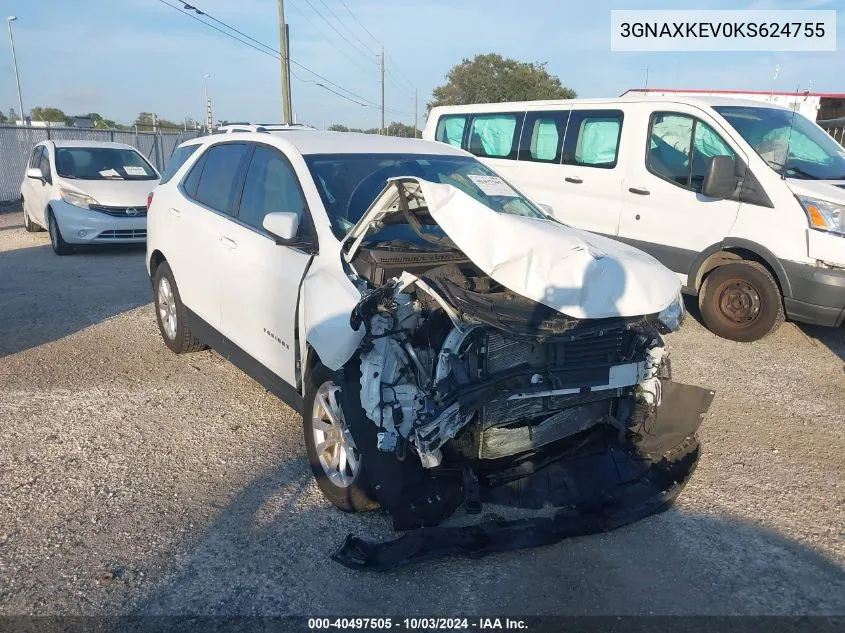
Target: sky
122, 57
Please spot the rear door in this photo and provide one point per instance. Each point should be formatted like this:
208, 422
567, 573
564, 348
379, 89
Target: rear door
664, 212
201, 217
259, 280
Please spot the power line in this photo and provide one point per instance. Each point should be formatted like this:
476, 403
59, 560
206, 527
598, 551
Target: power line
274, 53
354, 17
327, 38
332, 27
339, 21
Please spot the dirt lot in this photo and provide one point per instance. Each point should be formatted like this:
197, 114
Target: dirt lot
136, 481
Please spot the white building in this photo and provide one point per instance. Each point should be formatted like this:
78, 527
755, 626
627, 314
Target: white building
813, 105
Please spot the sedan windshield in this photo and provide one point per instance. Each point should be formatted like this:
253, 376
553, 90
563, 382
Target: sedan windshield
102, 163
791, 145
349, 183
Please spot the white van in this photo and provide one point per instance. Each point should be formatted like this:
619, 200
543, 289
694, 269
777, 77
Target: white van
743, 200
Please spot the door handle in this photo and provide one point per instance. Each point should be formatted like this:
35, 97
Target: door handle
639, 191
175, 212
228, 241
574, 181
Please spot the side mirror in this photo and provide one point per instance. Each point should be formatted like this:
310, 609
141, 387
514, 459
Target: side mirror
283, 226
35, 173
721, 180
547, 208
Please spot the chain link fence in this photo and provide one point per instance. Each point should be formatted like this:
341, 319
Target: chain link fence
16, 143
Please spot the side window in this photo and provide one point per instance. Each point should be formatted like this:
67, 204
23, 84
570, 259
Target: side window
35, 159
542, 136
192, 180
495, 135
222, 176
592, 138
680, 148
45, 165
270, 186
177, 159
450, 130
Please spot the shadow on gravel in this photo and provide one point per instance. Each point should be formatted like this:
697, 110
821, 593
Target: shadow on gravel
44, 297
832, 338
268, 554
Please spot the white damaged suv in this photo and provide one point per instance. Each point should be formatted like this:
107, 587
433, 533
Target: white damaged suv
447, 342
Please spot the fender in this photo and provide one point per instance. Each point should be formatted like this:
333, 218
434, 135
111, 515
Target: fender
748, 245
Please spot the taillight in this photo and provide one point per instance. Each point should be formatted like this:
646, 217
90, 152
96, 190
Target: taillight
149, 200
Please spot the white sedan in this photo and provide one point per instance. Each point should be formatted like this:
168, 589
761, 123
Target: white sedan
86, 192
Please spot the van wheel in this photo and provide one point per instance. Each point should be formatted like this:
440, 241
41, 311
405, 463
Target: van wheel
741, 302
170, 313
337, 464
60, 247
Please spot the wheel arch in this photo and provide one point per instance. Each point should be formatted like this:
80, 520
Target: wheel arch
157, 258
737, 249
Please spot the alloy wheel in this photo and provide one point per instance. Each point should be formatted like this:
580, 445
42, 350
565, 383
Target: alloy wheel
334, 445
167, 308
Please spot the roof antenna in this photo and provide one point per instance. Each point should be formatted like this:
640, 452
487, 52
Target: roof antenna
789, 138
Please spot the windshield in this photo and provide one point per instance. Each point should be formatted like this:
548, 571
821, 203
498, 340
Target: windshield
102, 163
349, 183
812, 153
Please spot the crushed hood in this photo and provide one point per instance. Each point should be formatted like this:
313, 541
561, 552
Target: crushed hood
577, 273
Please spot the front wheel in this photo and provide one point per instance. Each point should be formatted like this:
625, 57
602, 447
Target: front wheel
741, 302
335, 461
60, 247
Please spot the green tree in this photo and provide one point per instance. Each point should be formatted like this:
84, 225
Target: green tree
147, 120
337, 127
3, 118
40, 113
403, 130
492, 78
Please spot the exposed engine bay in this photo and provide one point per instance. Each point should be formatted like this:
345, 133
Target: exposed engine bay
472, 393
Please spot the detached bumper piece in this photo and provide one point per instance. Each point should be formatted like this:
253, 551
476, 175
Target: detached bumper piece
595, 491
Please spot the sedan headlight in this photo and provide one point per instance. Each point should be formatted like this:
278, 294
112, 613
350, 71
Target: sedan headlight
672, 316
824, 215
76, 199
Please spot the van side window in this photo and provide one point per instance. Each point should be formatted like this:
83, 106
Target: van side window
542, 136
592, 138
680, 148
450, 129
495, 135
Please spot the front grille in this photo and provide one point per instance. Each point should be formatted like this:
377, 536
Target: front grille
123, 234
120, 212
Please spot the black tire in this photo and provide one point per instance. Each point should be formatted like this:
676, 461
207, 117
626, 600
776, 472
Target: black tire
60, 247
180, 339
28, 224
741, 301
356, 496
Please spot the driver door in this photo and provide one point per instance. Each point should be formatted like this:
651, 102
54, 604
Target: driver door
664, 212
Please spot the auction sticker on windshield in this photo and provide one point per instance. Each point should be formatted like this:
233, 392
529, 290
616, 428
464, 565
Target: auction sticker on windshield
493, 186
134, 170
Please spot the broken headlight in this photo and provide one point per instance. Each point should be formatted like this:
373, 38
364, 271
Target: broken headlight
671, 317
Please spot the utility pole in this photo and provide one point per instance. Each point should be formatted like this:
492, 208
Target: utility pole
285, 49
208, 118
9, 21
383, 130
415, 113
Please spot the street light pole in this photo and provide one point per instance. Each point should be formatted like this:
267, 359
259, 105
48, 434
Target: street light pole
208, 117
9, 21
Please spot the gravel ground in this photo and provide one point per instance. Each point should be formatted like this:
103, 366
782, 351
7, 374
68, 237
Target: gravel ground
136, 481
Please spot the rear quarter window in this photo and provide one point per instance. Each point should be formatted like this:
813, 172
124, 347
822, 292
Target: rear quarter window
177, 160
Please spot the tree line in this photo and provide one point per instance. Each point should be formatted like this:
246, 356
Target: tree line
488, 78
